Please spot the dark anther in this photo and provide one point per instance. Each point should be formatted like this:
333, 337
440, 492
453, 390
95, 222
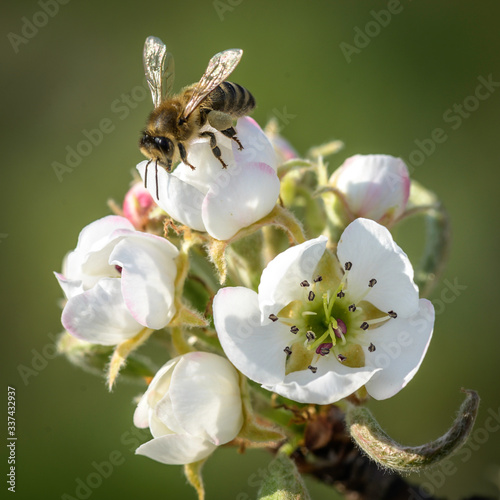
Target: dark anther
348, 266
340, 294
372, 282
273, 317
371, 347
364, 325
312, 368
392, 314
318, 278
311, 296
304, 283
287, 350
294, 329
341, 358
324, 351
352, 307
310, 336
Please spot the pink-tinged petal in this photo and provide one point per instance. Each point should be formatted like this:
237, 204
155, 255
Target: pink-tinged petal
207, 384
332, 382
69, 287
155, 391
256, 145
180, 200
99, 315
280, 280
239, 197
374, 255
255, 349
176, 449
147, 277
137, 204
400, 347
374, 185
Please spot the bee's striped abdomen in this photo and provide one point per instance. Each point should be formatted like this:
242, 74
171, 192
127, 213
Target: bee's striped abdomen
231, 98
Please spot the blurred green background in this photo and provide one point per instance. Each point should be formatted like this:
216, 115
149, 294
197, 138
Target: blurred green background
83, 63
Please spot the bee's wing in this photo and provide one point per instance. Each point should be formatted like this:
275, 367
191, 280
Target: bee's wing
219, 68
159, 68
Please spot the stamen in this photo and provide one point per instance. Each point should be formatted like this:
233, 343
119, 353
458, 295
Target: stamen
310, 336
287, 350
324, 349
309, 313
364, 325
371, 347
119, 269
341, 358
318, 278
340, 329
304, 283
348, 266
314, 369
311, 296
352, 307
273, 317
294, 330
340, 294
392, 314
372, 282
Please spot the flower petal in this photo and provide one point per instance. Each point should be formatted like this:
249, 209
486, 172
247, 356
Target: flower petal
155, 391
99, 315
280, 280
175, 449
255, 349
180, 200
240, 195
148, 274
374, 254
69, 287
401, 345
374, 185
332, 382
256, 145
205, 384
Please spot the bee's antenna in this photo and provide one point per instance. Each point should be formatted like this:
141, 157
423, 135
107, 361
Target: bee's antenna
156, 176
146, 173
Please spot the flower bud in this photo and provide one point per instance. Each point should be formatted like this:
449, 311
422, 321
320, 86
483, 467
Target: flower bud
137, 204
376, 187
192, 405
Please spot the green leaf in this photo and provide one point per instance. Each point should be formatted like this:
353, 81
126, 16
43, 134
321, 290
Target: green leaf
282, 481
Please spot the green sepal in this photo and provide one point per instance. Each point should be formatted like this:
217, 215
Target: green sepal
94, 359
282, 481
437, 236
381, 448
193, 475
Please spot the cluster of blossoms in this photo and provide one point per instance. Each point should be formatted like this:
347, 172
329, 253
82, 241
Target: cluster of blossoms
313, 317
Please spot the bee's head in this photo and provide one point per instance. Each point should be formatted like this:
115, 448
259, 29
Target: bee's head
160, 149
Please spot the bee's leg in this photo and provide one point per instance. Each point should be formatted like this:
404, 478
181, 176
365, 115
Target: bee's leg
215, 148
231, 133
182, 151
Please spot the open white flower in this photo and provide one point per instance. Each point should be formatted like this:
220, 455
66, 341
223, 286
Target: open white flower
192, 405
117, 281
319, 329
217, 200
375, 186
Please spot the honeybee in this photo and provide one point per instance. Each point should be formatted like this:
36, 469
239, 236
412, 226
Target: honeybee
177, 119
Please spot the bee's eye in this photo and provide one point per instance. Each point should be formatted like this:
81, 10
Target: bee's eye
164, 144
